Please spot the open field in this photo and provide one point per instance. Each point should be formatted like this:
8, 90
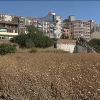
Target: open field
50, 76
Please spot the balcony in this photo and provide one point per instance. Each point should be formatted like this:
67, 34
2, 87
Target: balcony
8, 33
9, 22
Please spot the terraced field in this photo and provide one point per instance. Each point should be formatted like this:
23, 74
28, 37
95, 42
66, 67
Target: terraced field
50, 76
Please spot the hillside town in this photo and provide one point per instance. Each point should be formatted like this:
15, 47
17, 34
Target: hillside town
66, 31
53, 25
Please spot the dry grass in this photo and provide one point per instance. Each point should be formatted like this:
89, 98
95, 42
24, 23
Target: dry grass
50, 76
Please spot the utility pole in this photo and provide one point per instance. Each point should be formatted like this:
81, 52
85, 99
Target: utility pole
53, 14
54, 24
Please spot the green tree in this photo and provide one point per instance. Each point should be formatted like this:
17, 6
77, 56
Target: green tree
35, 38
20, 39
32, 29
29, 43
7, 48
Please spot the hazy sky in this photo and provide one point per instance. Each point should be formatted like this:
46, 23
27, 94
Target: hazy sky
81, 9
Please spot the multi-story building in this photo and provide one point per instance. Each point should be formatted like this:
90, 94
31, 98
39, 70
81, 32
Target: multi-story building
52, 25
46, 27
58, 30
79, 28
11, 26
24, 23
96, 32
8, 26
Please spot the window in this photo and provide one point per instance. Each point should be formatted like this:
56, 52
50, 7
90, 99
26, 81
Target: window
3, 37
15, 31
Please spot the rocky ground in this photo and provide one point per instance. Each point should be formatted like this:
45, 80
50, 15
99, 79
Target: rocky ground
50, 76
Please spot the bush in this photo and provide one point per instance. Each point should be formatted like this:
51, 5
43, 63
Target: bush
7, 48
33, 39
29, 43
43, 42
95, 43
20, 40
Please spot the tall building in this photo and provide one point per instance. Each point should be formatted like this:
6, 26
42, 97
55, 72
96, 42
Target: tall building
24, 23
8, 26
79, 28
72, 18
58, 30
53, 26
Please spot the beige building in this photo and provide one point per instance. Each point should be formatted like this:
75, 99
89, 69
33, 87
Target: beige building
8, 26
79, 28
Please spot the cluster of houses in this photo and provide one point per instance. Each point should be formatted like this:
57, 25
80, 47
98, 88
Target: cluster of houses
11, 26
66, 31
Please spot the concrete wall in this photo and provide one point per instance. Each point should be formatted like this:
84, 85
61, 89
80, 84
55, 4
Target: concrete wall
66, 47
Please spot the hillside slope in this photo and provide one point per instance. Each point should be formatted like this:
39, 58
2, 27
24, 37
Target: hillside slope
50, 76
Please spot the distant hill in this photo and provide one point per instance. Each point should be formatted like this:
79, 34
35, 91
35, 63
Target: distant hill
48, 18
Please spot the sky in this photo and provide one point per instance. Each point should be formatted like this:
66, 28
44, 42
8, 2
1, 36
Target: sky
80, 9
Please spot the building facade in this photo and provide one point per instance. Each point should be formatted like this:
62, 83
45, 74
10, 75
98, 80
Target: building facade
58, 30
80, 28
52, 25
8, 26
11, 26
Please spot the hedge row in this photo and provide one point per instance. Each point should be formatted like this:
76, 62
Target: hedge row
33, 40
95, 43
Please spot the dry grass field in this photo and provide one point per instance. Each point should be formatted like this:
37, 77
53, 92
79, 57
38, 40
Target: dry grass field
50, 76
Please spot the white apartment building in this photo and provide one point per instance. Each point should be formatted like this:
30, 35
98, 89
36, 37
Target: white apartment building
58, 27
5, 17
52, 25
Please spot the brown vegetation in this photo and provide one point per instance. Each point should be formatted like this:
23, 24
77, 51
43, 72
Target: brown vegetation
50, 76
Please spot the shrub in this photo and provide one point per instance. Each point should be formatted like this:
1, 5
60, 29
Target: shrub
33, 39
20, 39
7, 48
43, 42
95, 43
29, 43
